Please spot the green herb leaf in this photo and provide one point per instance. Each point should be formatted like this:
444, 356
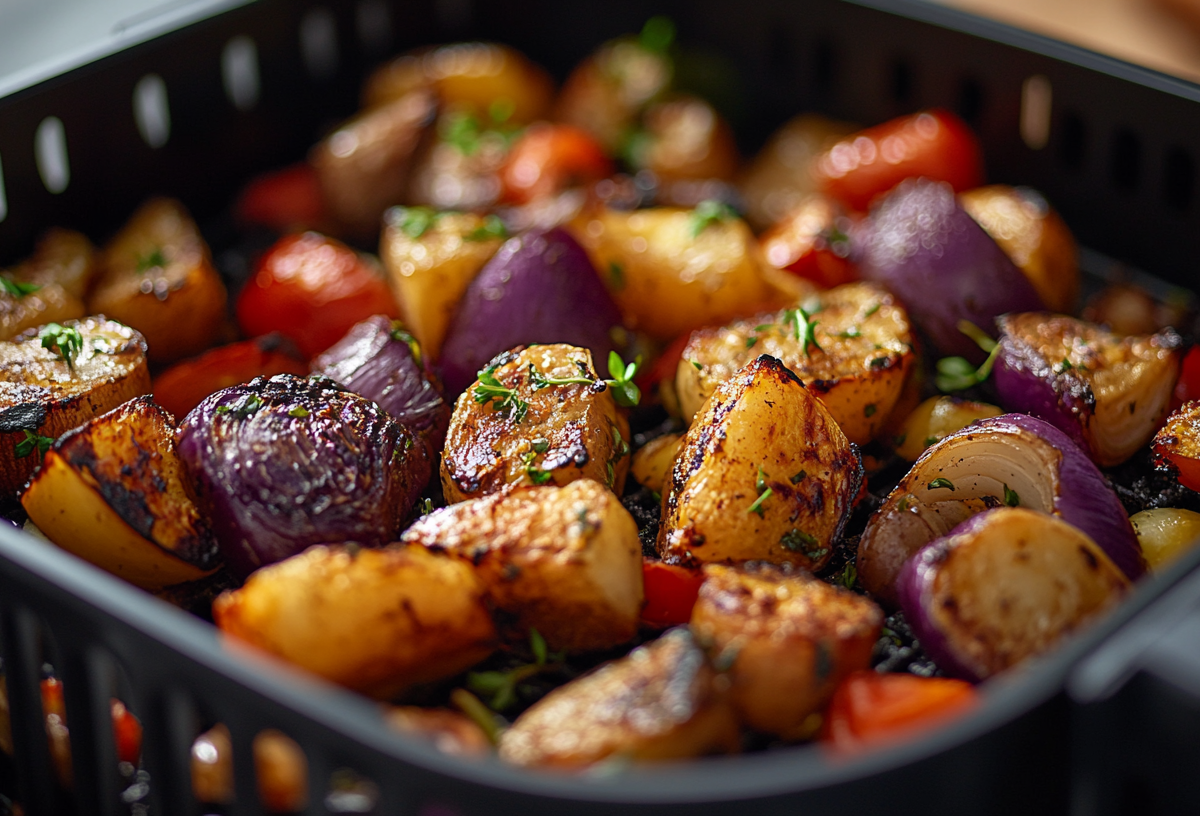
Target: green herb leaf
541, 445
16, 288
803, 327
851, 333
65, 341
764, 493
872, 310
492, 228
869, 410
801, 542
879, 362
707, 213
413, 221
537, 645
502, 398
298, 411
697, 365
849, 575
154, 259
244, 407
657, 34
956, 374
463, 131
977, 334
1011, 499
477, 712
33, 441
798, 477
931, 440
760, 481
427, 506
616, 275
941, 483
750, 341
501, 110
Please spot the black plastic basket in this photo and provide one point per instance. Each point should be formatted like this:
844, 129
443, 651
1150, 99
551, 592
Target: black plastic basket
1112, 145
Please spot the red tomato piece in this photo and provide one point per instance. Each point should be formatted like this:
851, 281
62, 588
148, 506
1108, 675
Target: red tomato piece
1187, 387
549, 158
1177, 444
934, 144
812, 243
182, 387
312, 289
283, 200
869, 709
127, 732
670, 593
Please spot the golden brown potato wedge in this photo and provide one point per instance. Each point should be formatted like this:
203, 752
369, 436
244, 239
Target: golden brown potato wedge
663, 701
457, 166
685, 138
46, 304
486, 78
653, 461
539, 434
112, 492
936, 418
563, 560
764, 474
1034, 237
673, 270
791, 638
778, 180
852, 346
62, 257
156, 276
43, 397
363, 166
430, 261
449, 731
376, 621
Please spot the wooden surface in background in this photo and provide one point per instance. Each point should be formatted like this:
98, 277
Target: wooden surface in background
1160, 34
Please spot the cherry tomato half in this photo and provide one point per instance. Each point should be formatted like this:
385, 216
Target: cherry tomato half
934, 144
182, 387
1177, 444
813, 243
1187, 387
283, 200
548, 158
670, 593
870, 709
312, 289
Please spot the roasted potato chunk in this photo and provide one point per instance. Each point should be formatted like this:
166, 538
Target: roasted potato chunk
156, 276
653, 461
563, 560
663, 701
363, 166
46, 304
42, 395
673, 270
430, 261
792, 638
522, 429
764, 474
851, 346
375, 621
47, 287
112, 492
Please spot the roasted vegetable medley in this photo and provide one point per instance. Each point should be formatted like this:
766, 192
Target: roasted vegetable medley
553, 425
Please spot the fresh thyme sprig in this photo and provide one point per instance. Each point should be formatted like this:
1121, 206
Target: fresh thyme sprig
65, 341
33, 441
499, 688
491, 391
804, 328
956, 373
17, 289
625, 391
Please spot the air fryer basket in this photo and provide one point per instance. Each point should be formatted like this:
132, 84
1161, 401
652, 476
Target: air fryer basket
251, 87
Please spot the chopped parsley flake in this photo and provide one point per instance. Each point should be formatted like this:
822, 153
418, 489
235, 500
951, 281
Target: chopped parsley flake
940, 482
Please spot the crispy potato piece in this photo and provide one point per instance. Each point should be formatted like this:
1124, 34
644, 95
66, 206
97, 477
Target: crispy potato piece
667, 278
62, 257
687, 139
375, 621
429, 271
112, 492
556, 433
778, 180
566, 561
48, 304
857, 367
663, 701
42, 394
363, 166
936, 418
653, 461
156, 276
764, 474
792, 638
450, 732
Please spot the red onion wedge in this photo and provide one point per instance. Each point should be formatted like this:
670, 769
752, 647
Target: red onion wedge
1013, 460
381, 361
1004, 586
935, 258
281, 464
1106, 392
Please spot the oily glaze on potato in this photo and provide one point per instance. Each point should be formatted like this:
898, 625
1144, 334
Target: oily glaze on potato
764, 474
41, 394
791, 638
556, 433
112, 492
566, 561
662, 701
653, 461
48, 286
857, 367
430, 260
375, 621
156, 276
670, 271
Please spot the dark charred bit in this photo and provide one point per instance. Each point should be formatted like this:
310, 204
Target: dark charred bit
23, 416
1090, 558
898, 650
645, 506
1142, 486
